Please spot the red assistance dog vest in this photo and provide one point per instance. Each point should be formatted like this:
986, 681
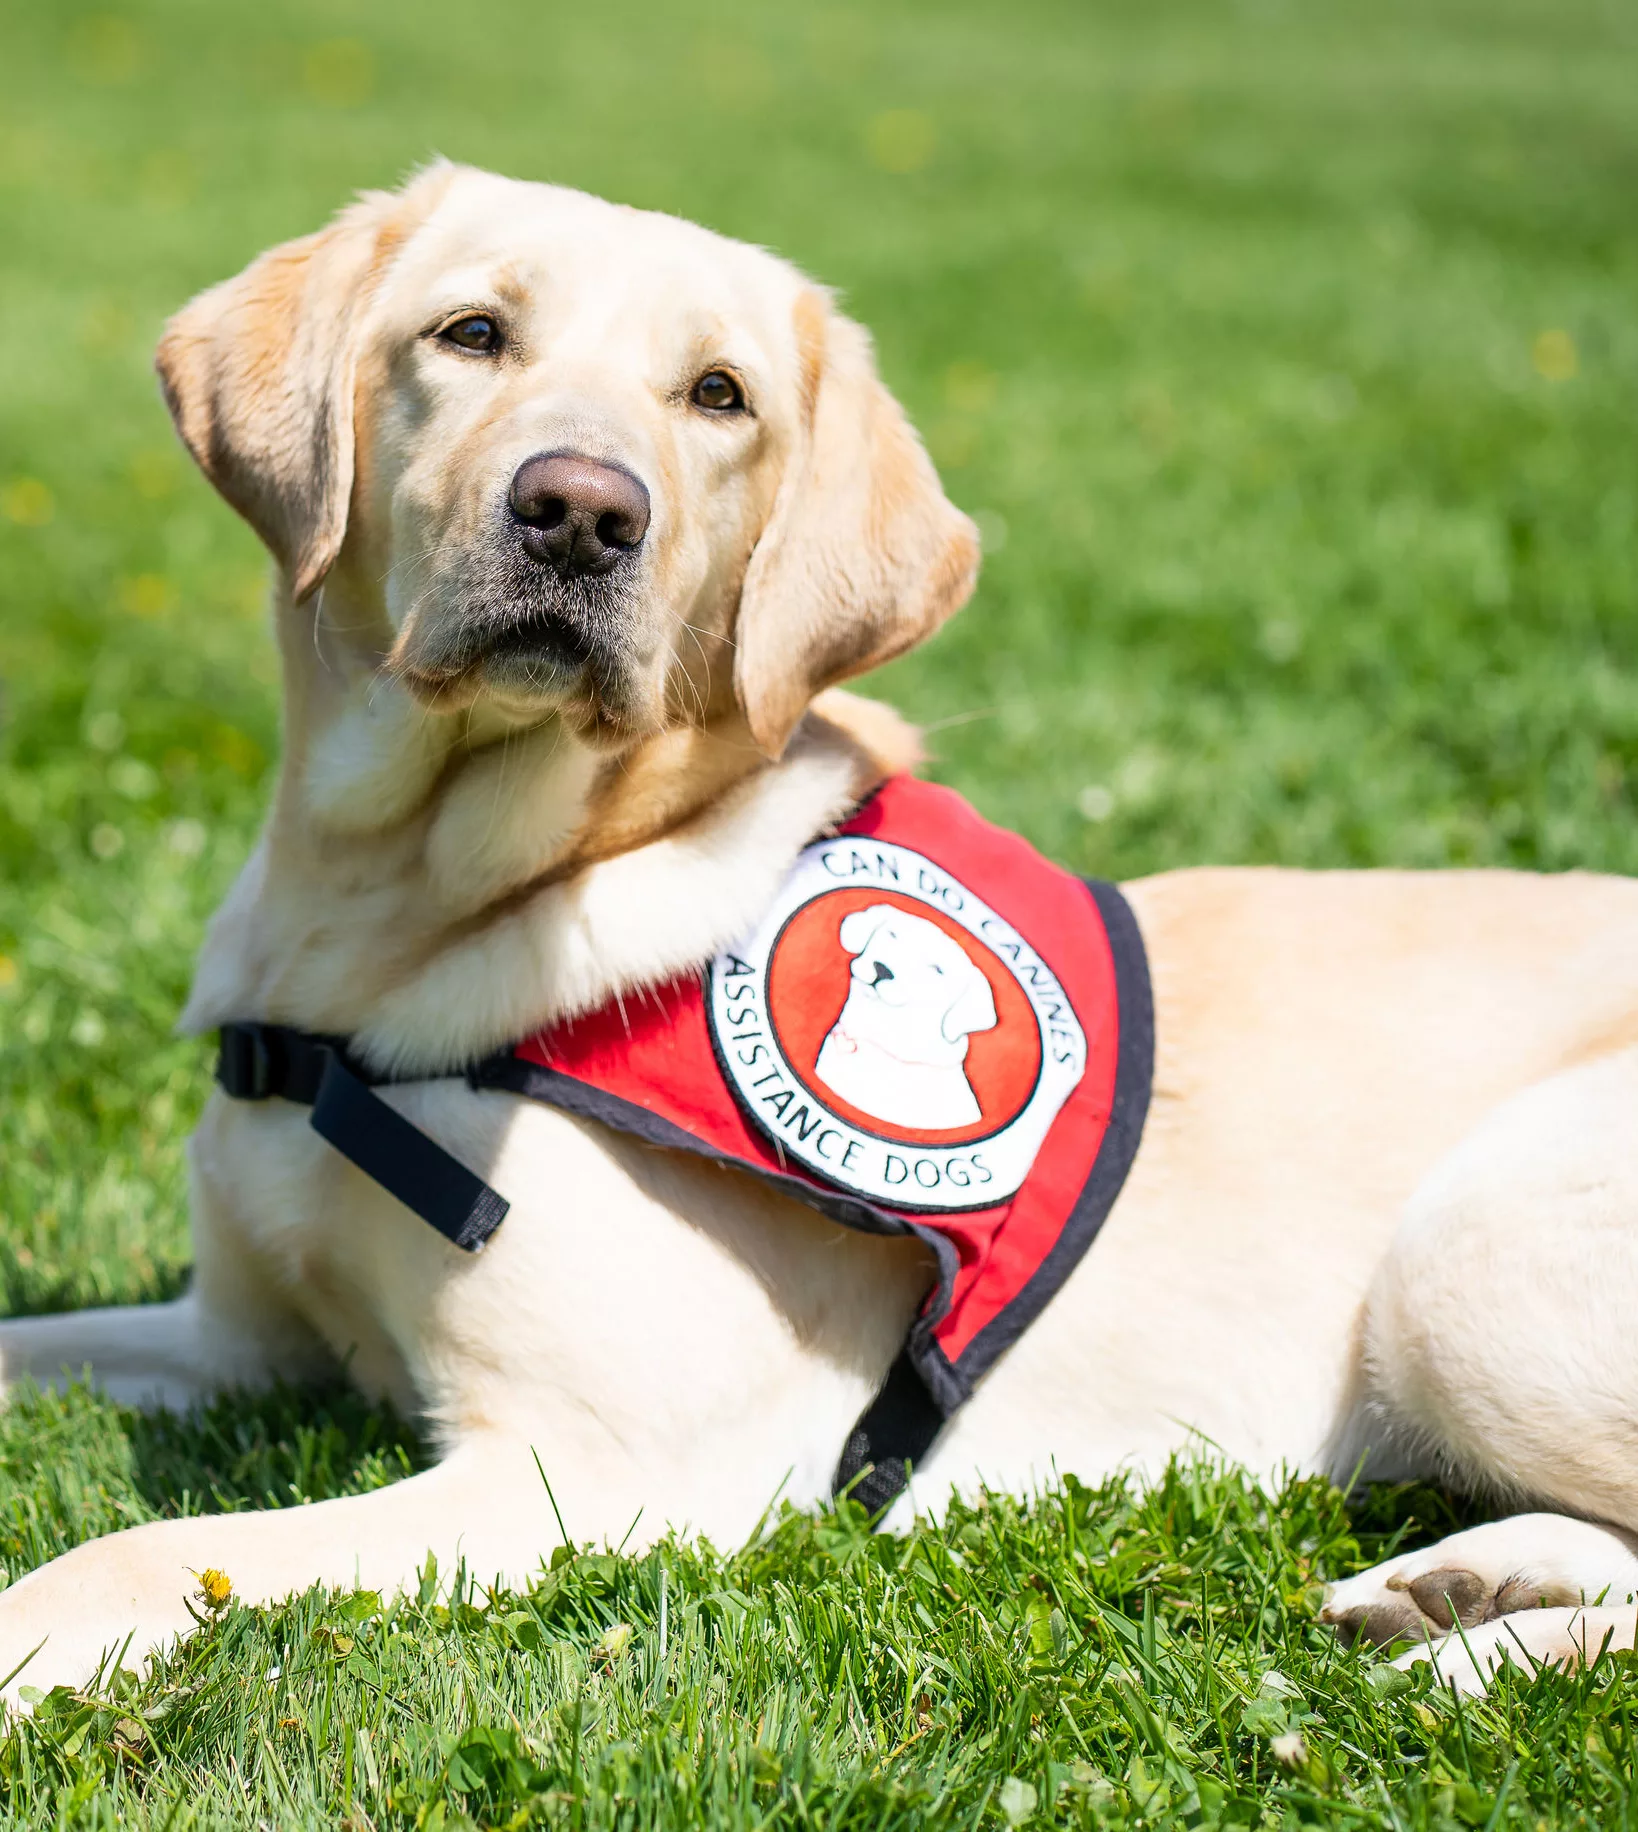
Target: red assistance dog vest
932, 1031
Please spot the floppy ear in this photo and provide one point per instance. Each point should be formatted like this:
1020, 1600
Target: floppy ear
258, 376
863, 554
859, 925
973, 1010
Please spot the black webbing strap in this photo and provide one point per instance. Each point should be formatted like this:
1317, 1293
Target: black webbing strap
895, 1431
258, 1061
899, 1426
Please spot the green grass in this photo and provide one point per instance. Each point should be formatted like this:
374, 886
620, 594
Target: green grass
1288, 357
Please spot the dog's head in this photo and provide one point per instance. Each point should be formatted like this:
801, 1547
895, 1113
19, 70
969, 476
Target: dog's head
590, 460
914, 990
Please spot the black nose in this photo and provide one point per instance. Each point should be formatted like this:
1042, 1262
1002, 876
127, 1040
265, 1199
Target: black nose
579, 516
879, 971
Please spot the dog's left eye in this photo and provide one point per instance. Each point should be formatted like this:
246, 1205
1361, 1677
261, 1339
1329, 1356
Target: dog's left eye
477, 333
719, 392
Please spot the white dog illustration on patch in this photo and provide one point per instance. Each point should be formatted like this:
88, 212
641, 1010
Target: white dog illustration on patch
898, 1048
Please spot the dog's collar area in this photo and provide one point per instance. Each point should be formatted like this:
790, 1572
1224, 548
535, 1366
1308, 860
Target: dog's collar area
260, 1061
272, 1061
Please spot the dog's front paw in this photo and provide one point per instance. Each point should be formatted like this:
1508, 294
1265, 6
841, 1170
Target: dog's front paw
1488, 1572
1421, 1597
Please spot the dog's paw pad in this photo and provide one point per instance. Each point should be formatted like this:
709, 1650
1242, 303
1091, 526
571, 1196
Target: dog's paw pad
1451, 1595
1390, 1619
1390, 1604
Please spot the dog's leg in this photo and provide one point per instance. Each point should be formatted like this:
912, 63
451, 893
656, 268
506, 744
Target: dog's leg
235, 1327
1499, 1342
167, 1355
485, 1504
147, 1355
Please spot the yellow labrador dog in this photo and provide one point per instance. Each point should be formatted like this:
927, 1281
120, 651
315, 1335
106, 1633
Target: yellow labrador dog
579, 515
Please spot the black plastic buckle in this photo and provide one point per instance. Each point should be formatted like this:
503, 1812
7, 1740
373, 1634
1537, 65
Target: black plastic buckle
244, 1061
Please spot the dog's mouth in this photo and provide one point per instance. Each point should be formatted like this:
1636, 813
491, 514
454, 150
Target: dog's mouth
542, 646
534, 645
537, 649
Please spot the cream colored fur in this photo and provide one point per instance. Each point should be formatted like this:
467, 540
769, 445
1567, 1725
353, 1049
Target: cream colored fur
1386, 1206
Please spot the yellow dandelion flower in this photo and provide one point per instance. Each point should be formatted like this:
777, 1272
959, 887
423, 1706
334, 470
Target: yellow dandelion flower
216, 1587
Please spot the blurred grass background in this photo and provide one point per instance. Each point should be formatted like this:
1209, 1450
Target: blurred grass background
1286, 354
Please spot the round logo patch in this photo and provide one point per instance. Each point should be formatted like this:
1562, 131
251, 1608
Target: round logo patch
892, 1033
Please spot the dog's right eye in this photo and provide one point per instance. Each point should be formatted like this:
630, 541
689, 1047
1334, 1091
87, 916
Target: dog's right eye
477, 333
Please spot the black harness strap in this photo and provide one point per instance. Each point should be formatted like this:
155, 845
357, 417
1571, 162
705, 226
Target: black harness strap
894, 1433
899, 1426
260, 1061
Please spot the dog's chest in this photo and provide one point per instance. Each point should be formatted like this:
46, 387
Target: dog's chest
931, 1031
